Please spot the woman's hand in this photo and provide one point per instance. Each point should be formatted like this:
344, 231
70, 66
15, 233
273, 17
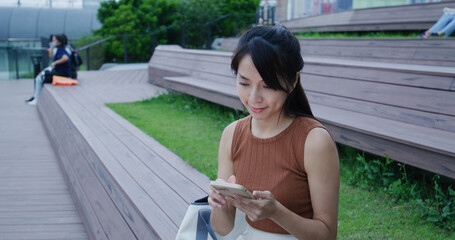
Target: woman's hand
216, 200
263, 206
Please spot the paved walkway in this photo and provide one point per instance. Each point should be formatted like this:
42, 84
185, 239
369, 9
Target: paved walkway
34, 199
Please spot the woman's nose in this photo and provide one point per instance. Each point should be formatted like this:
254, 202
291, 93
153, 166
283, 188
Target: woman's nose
255, 95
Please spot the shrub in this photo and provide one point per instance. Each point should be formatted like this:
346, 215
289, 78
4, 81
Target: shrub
405, 184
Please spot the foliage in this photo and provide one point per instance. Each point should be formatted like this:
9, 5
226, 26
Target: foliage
244, 10
195, 15
433, 194
216, 16
137, 20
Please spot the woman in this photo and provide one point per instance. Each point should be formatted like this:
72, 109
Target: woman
60, 66
280, 152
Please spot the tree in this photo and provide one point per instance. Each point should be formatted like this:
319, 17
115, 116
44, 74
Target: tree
243, 10
218, 16
137, 20
195, 15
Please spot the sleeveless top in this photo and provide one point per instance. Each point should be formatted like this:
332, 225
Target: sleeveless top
274, 164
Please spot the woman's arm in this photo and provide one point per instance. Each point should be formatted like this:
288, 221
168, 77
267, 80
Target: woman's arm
63, 59
223, 214
322, 168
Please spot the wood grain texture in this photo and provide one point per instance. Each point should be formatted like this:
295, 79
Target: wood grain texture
35, 202
405, 17
126, 185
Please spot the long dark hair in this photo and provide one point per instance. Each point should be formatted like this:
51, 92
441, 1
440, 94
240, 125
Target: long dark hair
276, 55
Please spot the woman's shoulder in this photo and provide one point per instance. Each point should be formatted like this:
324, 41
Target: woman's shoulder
231, 128
309, 122
60, 50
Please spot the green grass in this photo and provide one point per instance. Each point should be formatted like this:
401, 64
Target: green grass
183, 125
374, 215
192, 128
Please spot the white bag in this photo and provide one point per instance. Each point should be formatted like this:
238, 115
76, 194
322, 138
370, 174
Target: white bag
196, 223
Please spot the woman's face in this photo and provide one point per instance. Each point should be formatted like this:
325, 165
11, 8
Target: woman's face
55, 41
262, 102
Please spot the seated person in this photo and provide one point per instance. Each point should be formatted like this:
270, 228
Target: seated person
60, 66
444, 26
280, 152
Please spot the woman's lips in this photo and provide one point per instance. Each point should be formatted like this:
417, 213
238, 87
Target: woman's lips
256, 110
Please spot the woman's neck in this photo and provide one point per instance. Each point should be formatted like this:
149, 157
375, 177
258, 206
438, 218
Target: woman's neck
270, 128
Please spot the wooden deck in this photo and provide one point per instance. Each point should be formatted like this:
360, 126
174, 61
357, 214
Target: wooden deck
35, 202
126, 184
394, 18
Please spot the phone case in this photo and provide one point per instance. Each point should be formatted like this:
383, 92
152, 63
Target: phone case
231, 189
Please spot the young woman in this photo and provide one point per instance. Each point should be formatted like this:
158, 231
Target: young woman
60, 66
280, 152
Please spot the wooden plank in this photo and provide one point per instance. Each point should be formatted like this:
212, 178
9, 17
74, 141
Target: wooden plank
191, 67
415, 156
173, 160
152, 157
93, 226
57, 231
215, 97
228, 90
37, 208
106, 179
377, 75
416, 16
428, 100
426, 138
442, 122
112, 222
170, 202
33, 191
33, 218
436, 44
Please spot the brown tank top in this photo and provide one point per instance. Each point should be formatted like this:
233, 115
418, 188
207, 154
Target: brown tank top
274, 164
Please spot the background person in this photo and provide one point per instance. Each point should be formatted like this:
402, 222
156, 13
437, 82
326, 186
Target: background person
444, 26
60, 66
280, 152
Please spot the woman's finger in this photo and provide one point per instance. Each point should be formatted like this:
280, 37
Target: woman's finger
216, 199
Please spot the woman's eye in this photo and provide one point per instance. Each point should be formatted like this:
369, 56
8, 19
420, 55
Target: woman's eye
243, 84
265, 86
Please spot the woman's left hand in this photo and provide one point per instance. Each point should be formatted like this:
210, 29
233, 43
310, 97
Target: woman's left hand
263, 206
53, 64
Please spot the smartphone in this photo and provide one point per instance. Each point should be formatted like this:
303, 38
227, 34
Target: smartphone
230, 189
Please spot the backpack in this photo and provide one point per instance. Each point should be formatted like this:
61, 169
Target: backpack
76, 60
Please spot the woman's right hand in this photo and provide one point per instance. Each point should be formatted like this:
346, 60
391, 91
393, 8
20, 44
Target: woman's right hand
216, 199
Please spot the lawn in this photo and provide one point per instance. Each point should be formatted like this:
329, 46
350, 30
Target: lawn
191, 128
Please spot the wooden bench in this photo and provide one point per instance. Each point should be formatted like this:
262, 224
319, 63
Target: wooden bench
125, 184
405, 17
404, 111
433, 52
203, 73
